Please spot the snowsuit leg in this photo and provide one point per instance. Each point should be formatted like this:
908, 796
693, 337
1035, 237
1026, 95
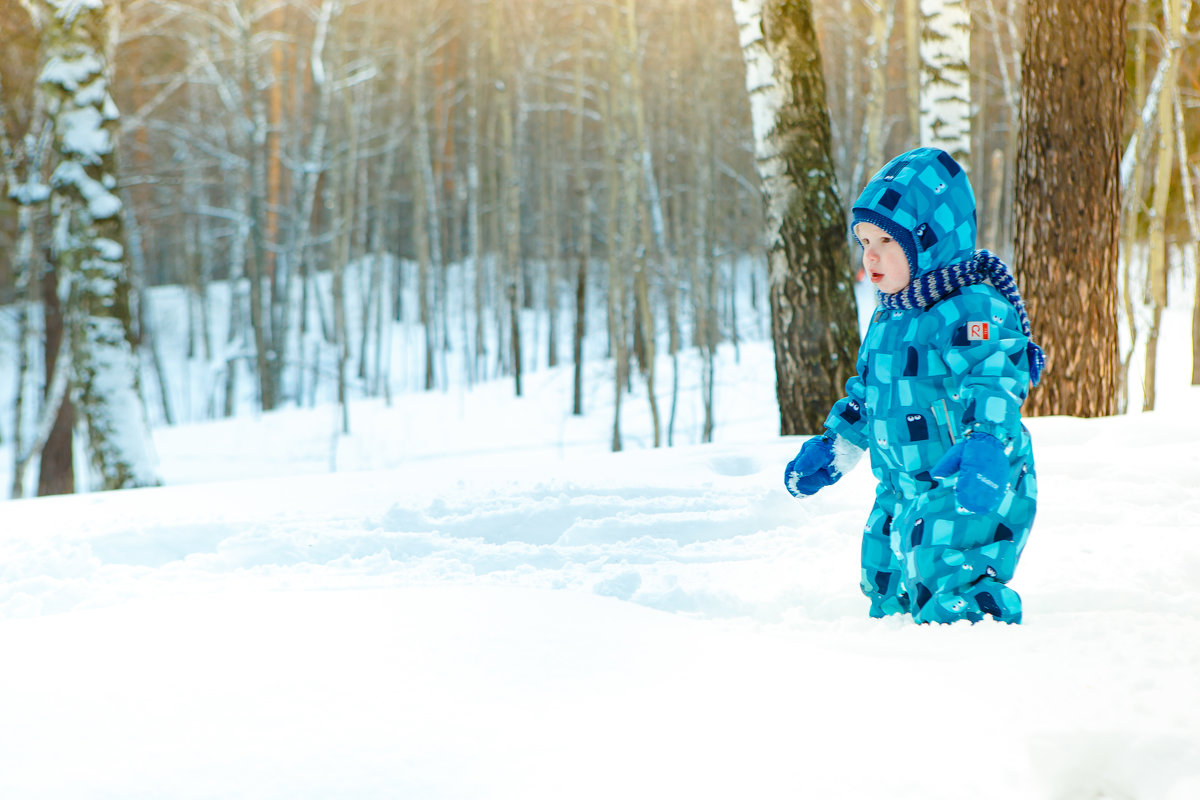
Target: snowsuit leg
956, 564
882, 573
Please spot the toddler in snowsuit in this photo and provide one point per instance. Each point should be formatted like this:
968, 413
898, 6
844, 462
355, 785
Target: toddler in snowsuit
942, 373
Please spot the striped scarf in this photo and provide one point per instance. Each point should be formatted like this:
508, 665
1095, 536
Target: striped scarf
931, 287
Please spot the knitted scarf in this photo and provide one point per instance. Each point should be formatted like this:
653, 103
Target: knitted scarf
931, 287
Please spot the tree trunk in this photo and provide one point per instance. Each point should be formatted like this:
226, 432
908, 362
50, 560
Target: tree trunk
813, 314
1068, 199
1133, 207
262, 280
1162, 190
882, 21
424, 212
27, 158
549, 135
946, 78
912, 62
507, 105
1196, 313
89, 250
56, 472
616, 249
704, 269
1194, 220
653, 244
583, 215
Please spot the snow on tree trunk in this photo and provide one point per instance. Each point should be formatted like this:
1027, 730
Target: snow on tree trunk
88, 244
813, 314
945, 77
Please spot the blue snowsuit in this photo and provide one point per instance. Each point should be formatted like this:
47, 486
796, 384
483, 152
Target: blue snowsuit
926, 378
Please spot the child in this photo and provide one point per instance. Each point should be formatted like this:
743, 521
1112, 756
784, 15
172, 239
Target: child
943, 370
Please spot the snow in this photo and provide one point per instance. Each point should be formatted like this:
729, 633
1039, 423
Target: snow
482, 602
101, 203
72, 70
68, 10
83, 136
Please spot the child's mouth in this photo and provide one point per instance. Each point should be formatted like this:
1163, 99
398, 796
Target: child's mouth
876, 277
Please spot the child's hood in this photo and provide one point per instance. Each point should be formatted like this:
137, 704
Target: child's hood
923, 199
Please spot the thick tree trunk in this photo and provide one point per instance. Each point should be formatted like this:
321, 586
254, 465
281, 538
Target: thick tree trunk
813, 314
88, 249
1068, 199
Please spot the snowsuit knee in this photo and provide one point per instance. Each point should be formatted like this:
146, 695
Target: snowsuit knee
949, 360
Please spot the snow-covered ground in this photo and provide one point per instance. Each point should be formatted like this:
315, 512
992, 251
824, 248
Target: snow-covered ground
482, 602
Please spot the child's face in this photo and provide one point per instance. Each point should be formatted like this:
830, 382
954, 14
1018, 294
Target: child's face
883, 258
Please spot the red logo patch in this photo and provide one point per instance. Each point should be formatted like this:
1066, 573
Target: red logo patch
978, 331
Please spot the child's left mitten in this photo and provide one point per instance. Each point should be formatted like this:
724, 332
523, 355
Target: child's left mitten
821, 462
982, 469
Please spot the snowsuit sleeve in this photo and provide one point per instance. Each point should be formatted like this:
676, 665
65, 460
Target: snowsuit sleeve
984, 349
846, 417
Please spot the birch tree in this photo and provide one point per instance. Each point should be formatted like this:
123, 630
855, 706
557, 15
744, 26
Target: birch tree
813, 315
945, 77
88, 243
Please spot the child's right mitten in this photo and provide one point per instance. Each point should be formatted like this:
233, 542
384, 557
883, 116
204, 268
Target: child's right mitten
822, 460
982, 469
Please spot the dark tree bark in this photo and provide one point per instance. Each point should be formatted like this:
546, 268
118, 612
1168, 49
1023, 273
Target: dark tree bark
1068, 199
56, 472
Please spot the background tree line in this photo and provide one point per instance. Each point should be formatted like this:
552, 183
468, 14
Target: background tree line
523, 159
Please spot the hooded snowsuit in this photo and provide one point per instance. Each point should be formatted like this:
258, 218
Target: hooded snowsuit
928, 376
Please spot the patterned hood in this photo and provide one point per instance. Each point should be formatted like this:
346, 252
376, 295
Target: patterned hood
924, 201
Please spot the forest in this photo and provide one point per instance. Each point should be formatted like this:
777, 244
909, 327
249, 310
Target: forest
334, 168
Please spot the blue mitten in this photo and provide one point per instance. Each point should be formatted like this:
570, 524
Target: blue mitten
813, 468
982, 470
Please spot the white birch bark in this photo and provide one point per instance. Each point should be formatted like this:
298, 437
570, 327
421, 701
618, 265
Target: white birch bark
813, 319
767, 99
945, 77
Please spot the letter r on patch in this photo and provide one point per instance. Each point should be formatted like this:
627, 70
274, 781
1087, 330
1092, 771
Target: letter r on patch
978, 331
